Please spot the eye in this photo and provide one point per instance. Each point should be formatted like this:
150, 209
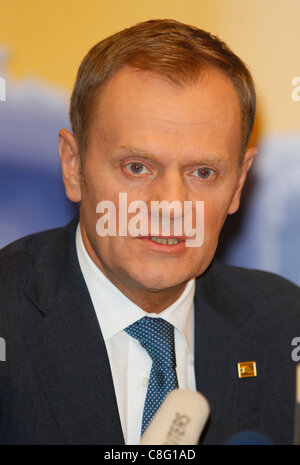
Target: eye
136, 168
204, 173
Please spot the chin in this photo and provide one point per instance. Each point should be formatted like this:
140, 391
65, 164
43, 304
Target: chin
160, 282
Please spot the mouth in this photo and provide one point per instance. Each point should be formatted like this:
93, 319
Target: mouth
165, 241
164, 244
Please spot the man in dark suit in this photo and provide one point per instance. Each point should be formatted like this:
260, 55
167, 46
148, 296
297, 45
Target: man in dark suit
160, 112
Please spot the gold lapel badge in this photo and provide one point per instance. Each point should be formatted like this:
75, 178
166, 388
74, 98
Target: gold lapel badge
247, 369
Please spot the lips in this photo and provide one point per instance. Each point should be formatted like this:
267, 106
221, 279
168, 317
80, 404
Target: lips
165, 241
170, 245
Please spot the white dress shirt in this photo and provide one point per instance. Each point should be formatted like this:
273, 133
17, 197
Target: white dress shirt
130, 363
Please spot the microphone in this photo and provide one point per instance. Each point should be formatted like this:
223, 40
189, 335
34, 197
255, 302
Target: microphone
296, 441
179, 420
248, 438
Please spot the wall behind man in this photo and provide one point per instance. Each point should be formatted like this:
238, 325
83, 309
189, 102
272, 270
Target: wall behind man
41, 46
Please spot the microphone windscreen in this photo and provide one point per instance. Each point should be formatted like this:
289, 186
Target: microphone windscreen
250, 438
179, 420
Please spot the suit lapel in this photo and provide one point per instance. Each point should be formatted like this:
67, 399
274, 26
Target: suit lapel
221, 341
67, 347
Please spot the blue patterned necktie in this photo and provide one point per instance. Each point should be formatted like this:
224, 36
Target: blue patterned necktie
157, 337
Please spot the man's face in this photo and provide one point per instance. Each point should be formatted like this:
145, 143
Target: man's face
157, 142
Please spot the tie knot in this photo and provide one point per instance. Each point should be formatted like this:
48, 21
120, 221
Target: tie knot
157, 337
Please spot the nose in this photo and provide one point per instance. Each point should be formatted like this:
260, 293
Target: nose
167, 202
170, 187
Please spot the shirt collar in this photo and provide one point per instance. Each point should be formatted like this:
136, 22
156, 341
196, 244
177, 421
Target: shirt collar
115, 311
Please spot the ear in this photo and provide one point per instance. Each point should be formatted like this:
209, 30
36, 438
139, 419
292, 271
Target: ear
246, 164
70, 163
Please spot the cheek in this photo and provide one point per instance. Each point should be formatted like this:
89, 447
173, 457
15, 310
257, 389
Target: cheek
217, 203
215, 213
97, 187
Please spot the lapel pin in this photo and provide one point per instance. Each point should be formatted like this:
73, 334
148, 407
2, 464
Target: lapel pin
247, 369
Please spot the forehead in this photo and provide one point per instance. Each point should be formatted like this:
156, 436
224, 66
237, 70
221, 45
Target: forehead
144, 105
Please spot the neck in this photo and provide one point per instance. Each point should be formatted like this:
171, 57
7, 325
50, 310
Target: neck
151, 301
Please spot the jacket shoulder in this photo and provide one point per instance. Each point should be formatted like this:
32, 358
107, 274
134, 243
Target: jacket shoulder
29, 244
18, 258
259, 294
253, 280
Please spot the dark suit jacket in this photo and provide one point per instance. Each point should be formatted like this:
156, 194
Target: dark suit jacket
56, 385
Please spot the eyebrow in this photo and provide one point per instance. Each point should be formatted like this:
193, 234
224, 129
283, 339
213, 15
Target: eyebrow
223, 158
134, 151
